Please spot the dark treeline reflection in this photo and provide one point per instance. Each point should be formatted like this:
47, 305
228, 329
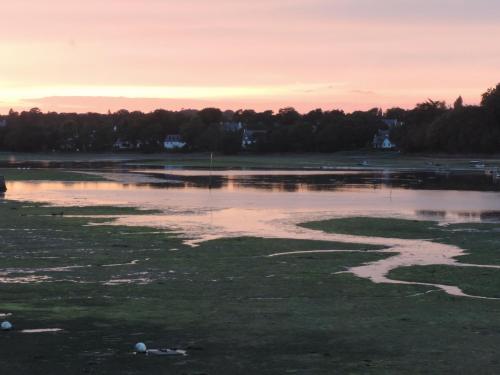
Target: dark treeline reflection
429, 126
333, 182
486, 216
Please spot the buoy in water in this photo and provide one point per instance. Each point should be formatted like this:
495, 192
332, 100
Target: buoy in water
140, 347
6, 326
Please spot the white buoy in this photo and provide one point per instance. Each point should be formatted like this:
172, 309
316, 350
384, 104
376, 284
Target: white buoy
6, 326
140, 347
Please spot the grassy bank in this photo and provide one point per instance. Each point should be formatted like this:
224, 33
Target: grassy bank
235, 309
18, 157
348, 159
363, 159
49, 174
377, 227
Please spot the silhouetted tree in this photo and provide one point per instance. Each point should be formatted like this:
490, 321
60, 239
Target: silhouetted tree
459, 103
491, 101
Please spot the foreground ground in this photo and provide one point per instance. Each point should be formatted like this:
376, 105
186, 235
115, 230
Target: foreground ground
234, 309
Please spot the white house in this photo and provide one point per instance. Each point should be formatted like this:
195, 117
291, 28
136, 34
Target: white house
381, 140
173, 142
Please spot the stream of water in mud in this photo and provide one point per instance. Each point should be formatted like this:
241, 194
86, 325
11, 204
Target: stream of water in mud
270, 204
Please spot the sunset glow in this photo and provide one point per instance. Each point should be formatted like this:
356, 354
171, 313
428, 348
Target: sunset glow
266, 54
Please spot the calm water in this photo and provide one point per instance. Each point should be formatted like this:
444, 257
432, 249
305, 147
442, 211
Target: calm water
201, 203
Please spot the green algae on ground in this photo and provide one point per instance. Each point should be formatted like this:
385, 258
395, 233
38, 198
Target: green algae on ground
235, 309
378, 227
480, 241
39, 209
474, 281
49, 174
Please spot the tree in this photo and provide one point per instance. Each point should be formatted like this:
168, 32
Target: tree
210, 116
491, 101
13, 113
412, 136
430, 126
288, 116
396, 113
459, 103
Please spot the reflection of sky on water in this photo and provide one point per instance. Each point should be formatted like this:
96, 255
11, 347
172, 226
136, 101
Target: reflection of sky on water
234, 193
244, 204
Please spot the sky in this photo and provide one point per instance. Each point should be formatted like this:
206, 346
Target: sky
100, 55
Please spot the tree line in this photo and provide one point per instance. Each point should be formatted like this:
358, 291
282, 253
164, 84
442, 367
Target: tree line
431, 126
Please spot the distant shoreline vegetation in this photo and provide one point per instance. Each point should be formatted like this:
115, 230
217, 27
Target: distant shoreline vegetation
432, 126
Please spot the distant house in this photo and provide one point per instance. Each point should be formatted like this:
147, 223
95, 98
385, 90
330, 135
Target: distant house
251, 137
382, 140
173, 142
232, 127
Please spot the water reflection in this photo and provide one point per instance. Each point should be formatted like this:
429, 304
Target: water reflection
483, 216
459, 216
431, 214
454, 197
293, 181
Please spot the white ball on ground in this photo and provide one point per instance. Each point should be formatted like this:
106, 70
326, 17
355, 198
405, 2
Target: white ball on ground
6, 326
140, 347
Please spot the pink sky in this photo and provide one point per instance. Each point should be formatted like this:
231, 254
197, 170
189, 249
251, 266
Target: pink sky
96, 55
